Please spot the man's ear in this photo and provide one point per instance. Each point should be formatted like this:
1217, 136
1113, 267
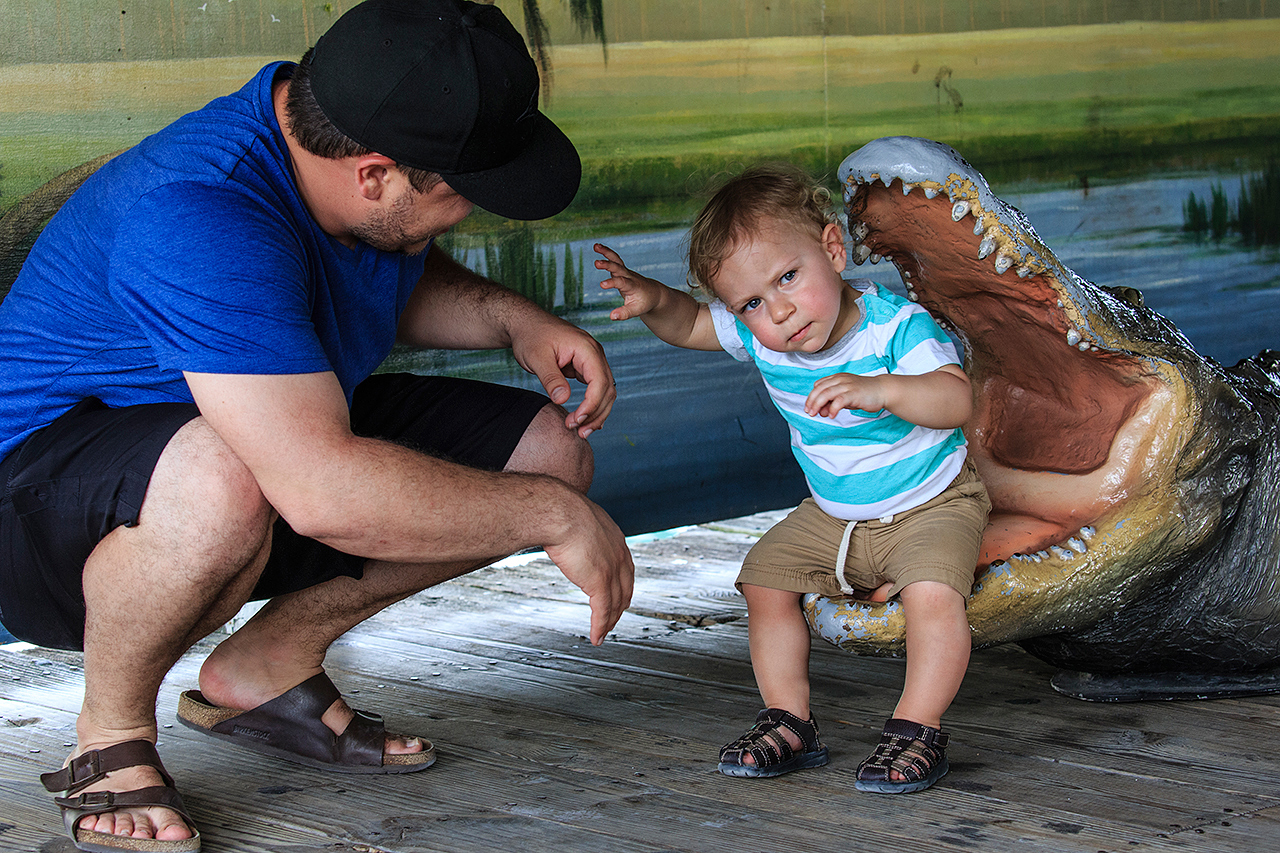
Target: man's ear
833, 245
373, 174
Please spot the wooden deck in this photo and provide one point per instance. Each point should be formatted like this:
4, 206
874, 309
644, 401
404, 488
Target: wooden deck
548, 743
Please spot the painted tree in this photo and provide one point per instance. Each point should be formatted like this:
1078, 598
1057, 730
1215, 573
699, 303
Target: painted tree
587, 15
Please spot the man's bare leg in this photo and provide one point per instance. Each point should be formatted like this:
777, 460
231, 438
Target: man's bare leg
153, 590
273, 652
128, 653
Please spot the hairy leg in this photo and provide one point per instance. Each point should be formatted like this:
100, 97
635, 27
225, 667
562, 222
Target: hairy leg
153, 590
270, 654
778, 636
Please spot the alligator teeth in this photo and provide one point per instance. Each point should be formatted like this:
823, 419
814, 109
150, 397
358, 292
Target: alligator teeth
908, 283
875, 258
1087, 533
986, 247
1023, 270
886, 179
911, 294
959, 210
930, 192
1062, 553
1073, 337
1084, 346
1077, 545
977, 226
860, 254
906, 274
907, 188
1041, 555
860, 232
1003, 262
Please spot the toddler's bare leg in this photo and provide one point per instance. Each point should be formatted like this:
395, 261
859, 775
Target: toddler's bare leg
779, 639
938, 645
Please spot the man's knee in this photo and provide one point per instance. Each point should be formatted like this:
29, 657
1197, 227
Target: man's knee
550, 447
204, 495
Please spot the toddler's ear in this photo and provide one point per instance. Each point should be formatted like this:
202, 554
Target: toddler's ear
833, 244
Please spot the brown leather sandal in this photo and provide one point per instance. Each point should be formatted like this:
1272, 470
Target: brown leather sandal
289, 727
87, 768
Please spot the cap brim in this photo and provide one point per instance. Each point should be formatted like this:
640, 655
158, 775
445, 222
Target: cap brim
539, 182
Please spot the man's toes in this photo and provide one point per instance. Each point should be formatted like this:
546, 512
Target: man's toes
171, 827
401, 745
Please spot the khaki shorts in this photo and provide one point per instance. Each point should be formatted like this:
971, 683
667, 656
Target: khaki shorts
936, 541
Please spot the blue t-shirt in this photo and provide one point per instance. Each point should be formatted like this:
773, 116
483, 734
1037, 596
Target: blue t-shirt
191, 252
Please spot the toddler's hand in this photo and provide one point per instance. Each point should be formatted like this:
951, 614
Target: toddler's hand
839, 391
639, 294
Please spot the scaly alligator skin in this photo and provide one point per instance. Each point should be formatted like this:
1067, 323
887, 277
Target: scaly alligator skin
1134, 540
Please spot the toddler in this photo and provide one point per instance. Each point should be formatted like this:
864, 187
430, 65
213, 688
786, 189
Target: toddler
874, 395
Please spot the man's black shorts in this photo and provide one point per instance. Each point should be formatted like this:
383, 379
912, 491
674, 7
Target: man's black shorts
84, 475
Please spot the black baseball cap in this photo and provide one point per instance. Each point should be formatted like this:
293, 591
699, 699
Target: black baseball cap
447, 86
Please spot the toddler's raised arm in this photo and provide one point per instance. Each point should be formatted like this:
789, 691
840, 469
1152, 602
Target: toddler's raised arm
674, 316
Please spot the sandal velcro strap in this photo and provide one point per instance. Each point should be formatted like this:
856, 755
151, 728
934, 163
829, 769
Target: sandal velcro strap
94, 764
769, 749
918, 753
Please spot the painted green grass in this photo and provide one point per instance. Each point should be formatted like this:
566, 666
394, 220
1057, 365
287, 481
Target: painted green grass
660, 121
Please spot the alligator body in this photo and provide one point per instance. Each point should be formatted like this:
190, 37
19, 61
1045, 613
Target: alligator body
1134, 541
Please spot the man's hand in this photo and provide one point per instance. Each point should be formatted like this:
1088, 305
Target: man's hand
595, 557
555, 352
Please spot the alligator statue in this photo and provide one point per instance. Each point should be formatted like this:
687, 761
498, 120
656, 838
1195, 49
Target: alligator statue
1134, 541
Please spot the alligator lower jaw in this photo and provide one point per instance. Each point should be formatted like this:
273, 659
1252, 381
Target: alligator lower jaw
1071, 436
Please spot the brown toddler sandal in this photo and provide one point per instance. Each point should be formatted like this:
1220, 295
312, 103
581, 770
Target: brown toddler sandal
89, 767
918, 752
769, 749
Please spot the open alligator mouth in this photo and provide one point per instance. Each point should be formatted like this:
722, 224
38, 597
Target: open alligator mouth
1116, 457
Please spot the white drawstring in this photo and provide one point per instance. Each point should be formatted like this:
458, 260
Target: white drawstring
843, 556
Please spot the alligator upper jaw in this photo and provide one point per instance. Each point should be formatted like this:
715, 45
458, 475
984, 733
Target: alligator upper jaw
1076, 405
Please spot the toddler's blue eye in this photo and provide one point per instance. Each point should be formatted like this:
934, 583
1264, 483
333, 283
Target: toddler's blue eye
751, 305
788, 276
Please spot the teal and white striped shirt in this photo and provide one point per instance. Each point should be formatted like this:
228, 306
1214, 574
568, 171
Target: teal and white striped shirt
860, 465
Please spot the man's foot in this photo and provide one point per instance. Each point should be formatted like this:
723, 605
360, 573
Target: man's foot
142, 803
292, 726
250, 685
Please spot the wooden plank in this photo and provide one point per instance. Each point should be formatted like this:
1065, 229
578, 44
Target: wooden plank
549, 743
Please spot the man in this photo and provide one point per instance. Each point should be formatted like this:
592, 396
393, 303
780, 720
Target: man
188, 419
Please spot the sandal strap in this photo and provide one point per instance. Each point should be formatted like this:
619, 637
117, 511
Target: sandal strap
90, 766
767, 745
292, 722
909, 748
101, 802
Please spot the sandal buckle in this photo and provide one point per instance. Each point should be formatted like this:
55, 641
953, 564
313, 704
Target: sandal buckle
85, 768
94, 802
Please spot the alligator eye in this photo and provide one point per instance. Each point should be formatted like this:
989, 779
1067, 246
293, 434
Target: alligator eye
1131, 295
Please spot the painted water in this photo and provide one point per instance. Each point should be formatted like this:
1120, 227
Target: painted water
693, 437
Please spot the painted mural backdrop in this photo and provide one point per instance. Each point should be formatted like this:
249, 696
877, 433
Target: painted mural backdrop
1066, 99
